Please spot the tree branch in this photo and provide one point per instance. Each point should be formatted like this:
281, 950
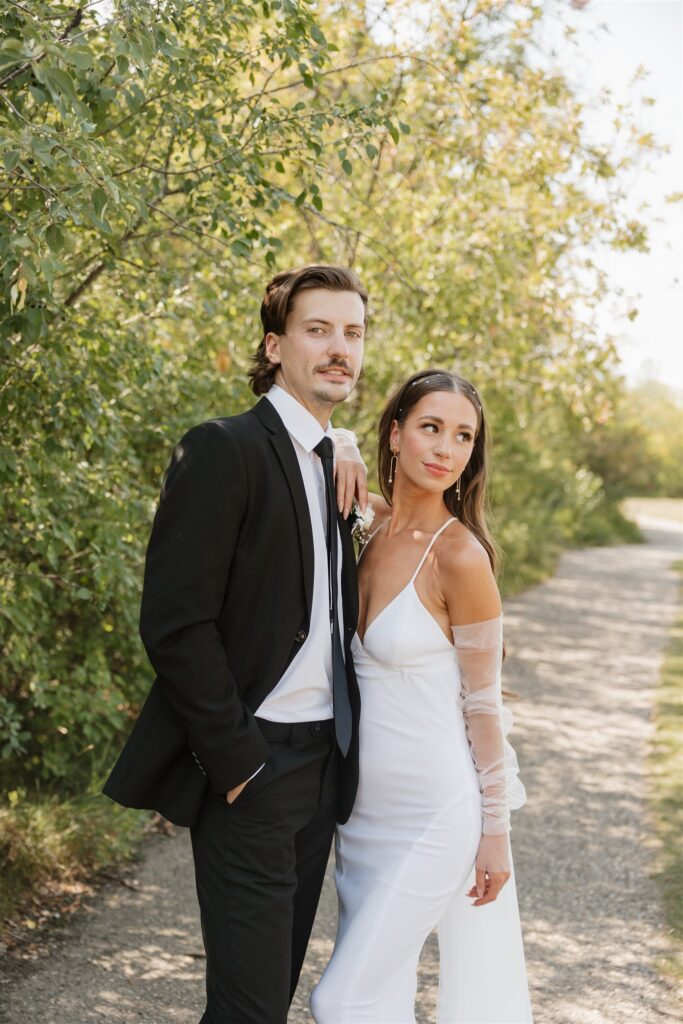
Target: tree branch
76, 19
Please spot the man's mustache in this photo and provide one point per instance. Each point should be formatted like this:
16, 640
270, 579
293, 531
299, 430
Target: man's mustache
335, 366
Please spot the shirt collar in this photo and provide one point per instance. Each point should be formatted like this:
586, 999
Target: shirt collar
300, 423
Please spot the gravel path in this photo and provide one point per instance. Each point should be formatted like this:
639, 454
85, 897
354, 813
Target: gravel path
585, 651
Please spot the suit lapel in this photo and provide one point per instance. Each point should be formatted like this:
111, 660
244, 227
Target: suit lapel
284, 450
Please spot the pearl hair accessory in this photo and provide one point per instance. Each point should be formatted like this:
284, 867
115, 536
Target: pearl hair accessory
436, 376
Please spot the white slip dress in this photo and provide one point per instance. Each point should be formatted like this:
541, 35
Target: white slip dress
405, 858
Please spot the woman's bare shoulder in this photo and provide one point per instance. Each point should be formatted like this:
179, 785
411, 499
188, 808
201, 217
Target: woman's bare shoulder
380, 507
466, 577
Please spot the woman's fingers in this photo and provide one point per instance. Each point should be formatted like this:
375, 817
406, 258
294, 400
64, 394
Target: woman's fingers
488, 891
362, 488
351, 481
343, 471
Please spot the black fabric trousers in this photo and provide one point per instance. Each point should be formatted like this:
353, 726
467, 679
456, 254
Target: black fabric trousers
259, 868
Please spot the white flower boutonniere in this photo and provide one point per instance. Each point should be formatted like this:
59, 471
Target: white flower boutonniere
361, 522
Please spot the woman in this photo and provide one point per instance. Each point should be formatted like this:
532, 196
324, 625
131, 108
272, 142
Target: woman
430, 823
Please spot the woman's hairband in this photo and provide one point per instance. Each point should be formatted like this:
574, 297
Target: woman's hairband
439, 376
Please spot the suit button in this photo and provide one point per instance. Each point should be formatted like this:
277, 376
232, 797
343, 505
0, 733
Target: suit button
300, 636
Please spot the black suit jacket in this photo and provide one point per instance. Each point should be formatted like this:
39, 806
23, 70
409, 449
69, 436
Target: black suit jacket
226, 606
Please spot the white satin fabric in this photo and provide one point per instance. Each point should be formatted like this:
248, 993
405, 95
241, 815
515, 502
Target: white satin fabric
405, 858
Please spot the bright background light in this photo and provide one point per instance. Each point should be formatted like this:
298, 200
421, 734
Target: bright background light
615, 38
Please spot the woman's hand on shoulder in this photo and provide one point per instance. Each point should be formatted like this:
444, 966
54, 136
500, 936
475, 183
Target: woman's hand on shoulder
466, 578
351, 479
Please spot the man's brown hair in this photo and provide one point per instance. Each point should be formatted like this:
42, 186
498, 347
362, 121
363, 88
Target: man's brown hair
277, 304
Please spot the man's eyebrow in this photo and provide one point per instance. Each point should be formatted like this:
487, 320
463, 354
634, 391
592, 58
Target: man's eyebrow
328, 323
437, 419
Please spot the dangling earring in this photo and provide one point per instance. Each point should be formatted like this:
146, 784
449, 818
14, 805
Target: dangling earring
392, 465
457, 489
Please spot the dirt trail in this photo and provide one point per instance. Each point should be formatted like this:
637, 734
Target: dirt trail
585, 651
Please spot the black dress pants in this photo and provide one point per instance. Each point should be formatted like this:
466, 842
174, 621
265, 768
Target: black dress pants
259, 867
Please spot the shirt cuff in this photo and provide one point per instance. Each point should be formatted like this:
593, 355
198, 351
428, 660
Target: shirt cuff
255, 773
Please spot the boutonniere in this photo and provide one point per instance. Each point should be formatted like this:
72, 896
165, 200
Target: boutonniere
360, 529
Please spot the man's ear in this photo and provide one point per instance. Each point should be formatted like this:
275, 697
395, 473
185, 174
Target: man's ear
272, 346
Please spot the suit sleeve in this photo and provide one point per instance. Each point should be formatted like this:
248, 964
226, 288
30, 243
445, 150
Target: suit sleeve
195, 531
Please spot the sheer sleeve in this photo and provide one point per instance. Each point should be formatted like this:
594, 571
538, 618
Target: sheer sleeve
479, 650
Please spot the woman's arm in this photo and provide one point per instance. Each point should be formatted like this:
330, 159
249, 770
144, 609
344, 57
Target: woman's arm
350, 471
474, 606
351, 477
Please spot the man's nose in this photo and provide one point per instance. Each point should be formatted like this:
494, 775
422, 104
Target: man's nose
339, 343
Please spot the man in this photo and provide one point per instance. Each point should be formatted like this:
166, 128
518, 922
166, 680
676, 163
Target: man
250, 732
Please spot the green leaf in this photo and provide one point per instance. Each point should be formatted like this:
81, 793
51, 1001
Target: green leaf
11, 53
10, 159
372, 151
60, 82
347, 167
39, 95
79, 57
54, 238
99, 200
240, 248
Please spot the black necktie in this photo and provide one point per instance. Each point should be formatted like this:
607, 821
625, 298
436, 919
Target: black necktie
340, 693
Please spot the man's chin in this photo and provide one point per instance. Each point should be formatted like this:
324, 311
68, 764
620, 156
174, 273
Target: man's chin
333, 393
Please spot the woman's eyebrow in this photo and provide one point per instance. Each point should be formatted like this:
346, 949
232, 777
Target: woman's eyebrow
437, 419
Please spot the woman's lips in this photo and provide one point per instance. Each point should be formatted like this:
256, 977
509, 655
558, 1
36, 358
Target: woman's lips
436, 470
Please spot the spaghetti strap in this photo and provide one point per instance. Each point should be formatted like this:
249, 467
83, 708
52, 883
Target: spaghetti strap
363, 549
430, 546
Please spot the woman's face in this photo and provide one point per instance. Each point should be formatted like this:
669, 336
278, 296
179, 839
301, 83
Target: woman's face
435, 440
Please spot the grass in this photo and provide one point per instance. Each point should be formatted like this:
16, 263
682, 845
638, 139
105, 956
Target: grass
666, 764
53, 851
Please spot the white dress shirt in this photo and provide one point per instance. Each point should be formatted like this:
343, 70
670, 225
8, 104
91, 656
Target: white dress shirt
304, 693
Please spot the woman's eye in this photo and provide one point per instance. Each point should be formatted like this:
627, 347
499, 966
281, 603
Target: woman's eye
431, 426
465, 436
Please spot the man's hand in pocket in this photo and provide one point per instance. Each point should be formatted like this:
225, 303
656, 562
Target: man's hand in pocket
232, 794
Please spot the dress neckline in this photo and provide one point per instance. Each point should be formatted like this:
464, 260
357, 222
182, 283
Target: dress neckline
410, 583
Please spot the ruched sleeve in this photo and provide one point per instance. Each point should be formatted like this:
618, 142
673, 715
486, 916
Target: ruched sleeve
479, 650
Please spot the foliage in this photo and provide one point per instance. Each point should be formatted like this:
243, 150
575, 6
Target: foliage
666, 760
47, 844
639, 450
160, 161
143, 156
474, 236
